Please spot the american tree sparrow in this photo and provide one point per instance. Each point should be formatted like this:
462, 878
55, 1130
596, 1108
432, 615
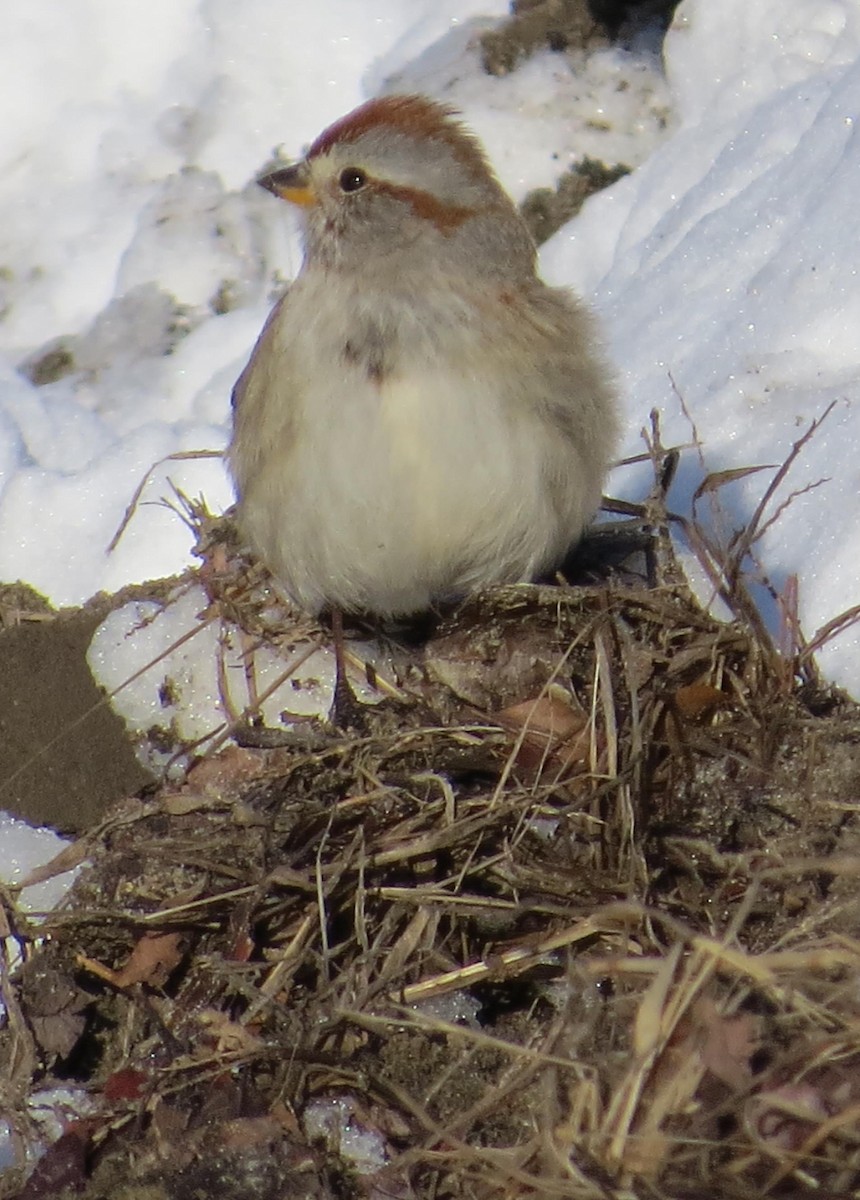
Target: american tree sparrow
421, 415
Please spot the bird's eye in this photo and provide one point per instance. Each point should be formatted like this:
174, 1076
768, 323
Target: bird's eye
352, 179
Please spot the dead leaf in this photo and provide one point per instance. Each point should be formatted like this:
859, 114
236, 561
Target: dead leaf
553, 733
60, 1033
551, 715
229, 1036
62, 1167
729, 1043
491, 672
154, 957
697, 700
152, 960
218, 777
125, 1084
54, 1006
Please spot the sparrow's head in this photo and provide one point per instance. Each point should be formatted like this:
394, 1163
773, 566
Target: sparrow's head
401, 176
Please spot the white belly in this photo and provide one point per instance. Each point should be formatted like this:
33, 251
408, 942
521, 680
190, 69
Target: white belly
411, 490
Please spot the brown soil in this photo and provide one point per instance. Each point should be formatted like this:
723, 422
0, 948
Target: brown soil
64, 755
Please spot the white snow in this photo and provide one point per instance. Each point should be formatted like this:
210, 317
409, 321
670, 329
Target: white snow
133, 238
180, 668
340, 1124
24, 849
49, 1113
726, 268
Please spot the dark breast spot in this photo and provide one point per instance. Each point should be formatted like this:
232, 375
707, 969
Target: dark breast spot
366, 354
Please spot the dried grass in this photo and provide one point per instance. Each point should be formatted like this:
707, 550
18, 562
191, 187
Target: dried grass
637, 854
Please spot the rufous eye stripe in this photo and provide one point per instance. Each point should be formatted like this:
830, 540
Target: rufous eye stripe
446, 217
